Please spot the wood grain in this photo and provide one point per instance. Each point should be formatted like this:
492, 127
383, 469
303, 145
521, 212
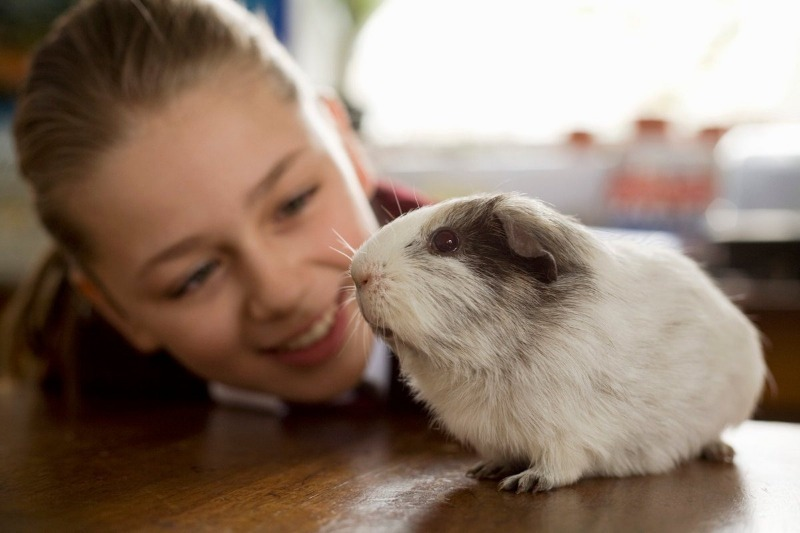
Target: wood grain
197, 467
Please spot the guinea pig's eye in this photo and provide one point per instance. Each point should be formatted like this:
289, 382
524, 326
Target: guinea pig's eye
444, 240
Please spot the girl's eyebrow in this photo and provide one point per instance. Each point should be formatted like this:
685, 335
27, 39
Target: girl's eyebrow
272, 177
170, 252
263, 186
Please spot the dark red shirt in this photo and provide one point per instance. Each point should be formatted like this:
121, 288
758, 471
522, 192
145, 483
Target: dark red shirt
392, 200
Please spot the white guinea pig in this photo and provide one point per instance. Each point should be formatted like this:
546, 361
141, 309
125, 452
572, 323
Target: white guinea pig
557, 355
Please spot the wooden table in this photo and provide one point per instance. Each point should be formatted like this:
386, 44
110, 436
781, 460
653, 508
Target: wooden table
200, 467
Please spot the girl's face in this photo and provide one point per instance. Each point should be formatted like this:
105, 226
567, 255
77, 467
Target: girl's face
217, 226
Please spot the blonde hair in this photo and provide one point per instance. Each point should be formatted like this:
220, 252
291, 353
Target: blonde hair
104, 63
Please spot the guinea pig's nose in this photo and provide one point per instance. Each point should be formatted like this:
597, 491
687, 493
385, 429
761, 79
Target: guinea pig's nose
360, 279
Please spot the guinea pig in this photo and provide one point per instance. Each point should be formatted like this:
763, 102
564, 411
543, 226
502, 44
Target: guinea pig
556, 354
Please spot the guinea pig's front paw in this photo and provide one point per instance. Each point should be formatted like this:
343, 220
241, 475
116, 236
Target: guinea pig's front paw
494, 470
525, 481
539, 478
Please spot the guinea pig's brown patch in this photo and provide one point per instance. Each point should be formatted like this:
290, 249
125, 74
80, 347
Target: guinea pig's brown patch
552, 280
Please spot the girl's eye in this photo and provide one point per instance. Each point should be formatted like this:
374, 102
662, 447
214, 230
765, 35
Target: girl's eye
194, 280
297, 204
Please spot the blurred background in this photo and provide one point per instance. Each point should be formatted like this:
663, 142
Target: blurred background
679, 119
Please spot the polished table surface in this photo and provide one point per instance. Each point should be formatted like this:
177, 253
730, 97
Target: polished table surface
199, 467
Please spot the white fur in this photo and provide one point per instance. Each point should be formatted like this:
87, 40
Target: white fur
645, 372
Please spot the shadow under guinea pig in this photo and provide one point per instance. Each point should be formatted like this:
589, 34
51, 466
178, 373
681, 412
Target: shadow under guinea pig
697, 496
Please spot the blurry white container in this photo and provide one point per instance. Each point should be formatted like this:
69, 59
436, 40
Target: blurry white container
567, 176
759, 197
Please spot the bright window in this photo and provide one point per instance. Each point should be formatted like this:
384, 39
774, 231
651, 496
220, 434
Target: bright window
529, 70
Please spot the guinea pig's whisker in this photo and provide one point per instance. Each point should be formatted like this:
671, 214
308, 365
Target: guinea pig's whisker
382, 326
389, 214
366, 340
342, 253
351, 297
396, 199
344, 243
347, 288
352, 327
501, 186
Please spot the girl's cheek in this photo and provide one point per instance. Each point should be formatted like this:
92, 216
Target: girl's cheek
206, 353
206, 337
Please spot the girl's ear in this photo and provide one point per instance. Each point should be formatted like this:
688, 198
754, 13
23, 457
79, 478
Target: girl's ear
138, 337
350, 139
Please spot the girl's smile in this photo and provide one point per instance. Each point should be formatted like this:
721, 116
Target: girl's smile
316, 344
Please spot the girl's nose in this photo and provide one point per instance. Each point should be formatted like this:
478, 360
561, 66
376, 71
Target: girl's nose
274, 289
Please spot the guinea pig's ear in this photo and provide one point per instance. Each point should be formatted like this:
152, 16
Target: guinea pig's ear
523, 242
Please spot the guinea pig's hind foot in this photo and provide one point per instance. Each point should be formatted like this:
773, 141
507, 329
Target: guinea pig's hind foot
718, 452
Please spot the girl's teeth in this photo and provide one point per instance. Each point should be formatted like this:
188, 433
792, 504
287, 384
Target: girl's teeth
317, 331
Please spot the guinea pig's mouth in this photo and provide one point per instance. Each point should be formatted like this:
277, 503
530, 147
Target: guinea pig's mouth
386, 333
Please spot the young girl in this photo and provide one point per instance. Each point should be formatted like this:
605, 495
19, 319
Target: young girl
202, 199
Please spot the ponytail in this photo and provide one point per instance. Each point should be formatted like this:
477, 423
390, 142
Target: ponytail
39, 325
50, 336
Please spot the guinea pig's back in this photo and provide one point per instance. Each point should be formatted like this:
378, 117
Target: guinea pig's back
696, 353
